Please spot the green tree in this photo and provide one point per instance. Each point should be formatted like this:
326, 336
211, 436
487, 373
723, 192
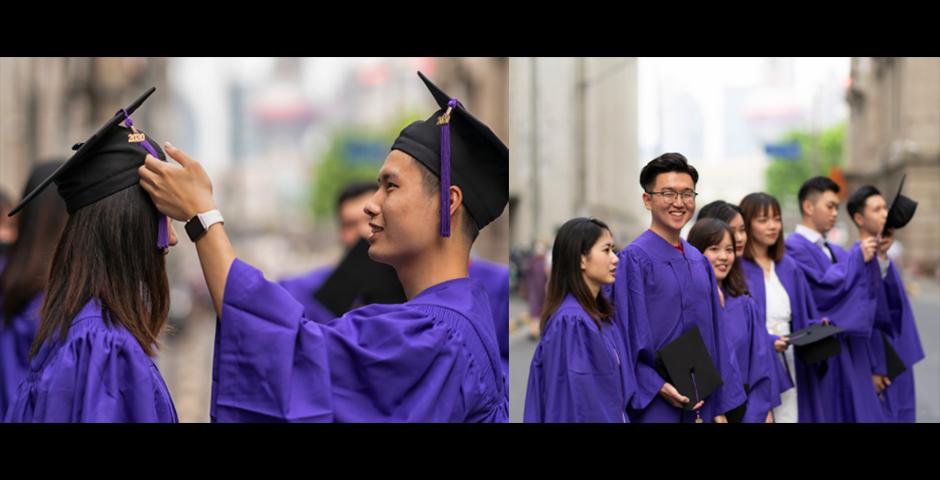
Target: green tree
354, 154
818, 156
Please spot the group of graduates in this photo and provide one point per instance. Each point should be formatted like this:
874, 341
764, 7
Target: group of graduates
84, 292
733, 324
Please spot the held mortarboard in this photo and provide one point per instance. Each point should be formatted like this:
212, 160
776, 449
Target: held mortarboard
894, 364
901, 211
104, 164
462, 151
359, 277
686, 364
816, 343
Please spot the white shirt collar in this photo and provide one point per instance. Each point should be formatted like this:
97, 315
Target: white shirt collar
809, 233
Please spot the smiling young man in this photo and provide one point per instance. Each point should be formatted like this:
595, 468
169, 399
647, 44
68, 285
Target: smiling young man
433, 358
663, 288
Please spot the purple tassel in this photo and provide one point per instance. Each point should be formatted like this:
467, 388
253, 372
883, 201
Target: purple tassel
163, 241
445, 169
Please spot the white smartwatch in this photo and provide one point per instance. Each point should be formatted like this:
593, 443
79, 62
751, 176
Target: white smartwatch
197, 226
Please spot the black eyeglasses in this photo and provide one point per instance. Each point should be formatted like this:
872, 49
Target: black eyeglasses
670, 195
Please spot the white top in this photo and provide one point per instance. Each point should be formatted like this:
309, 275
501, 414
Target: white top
778, 304
815, 237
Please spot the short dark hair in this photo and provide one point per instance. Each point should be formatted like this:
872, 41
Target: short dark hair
856, 202
353, 190
711, 231
432, 186
815, 186
721, 210
665, 163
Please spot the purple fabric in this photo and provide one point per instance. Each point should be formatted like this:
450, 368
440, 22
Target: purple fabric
99, 373
163, 239
495, 278
747, 335
846, 293
15, 342
579, 372
445, 169
803, 314
303, 288
431, 359
896, 322
659, 293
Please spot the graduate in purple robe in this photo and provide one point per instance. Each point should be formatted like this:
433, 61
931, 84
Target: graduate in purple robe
844, 287
495, 278
580, 371
433, 358
894, 321
23, 283
107, 296
664, 287
743, 326
353, 223
785, 304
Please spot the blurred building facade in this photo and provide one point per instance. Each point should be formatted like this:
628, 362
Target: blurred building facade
49, 104
573, 134
894, 129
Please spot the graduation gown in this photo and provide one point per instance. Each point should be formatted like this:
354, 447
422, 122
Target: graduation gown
802, 314
303, 288
659, 293
431, 359
747, 336
895, 322
99, 373
579, 372
495, 278
15, 342
846, 293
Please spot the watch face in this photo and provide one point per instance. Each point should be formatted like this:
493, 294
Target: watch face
194, 228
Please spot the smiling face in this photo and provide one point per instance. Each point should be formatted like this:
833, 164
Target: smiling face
721, 256
403, 216
353, 222
671, 215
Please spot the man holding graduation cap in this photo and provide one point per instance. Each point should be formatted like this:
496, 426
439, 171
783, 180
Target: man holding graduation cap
895, 344
666, 302
844, 288
432, 358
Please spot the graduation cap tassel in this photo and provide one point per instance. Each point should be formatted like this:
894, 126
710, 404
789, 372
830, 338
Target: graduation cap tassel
138, 137
444, 122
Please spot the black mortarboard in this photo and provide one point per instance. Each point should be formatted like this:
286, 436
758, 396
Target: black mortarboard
816, 343
104, 164
894, 364
686, 364
460, 150
359, 277
901, 211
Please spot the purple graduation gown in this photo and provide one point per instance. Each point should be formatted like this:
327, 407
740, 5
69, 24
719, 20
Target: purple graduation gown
895, 320
747, 335
495, 278
659, 293
846, 292
431, 359
303, 287
579, 372
15, 342
99, 373
802, 314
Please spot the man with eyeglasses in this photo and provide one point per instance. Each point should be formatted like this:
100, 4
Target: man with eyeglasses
665, 287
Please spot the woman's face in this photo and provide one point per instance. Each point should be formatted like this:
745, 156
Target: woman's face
740, 234
765, 229
721, 256
600, 263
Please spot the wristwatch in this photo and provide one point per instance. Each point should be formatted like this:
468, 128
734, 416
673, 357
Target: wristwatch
197, 226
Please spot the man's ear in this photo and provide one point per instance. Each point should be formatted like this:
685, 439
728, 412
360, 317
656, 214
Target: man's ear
456, 199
